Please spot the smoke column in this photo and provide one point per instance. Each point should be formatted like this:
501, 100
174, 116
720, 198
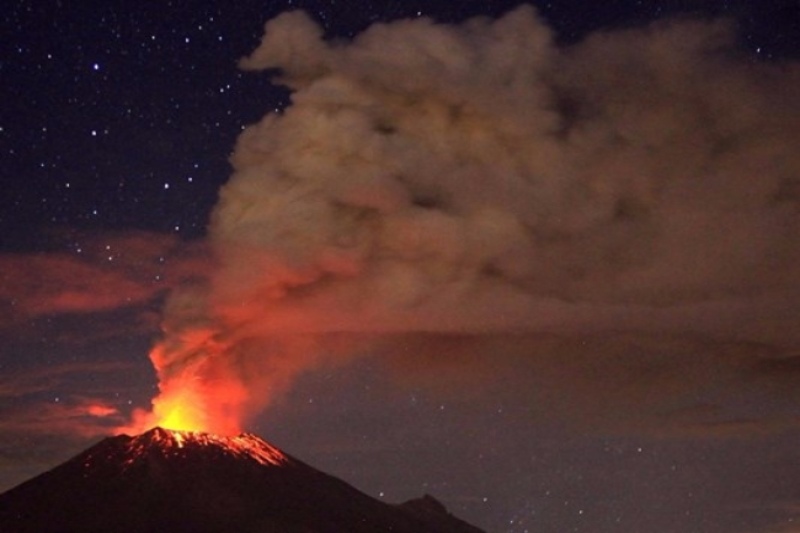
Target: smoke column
480, 179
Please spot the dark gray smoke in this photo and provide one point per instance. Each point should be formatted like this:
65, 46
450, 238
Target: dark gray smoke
479, 179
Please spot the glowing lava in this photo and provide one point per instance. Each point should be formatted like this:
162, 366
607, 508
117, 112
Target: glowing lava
185, 405
191, 400
181, 407
172, 443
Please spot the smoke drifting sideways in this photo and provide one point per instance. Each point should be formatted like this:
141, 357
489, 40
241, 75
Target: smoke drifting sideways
480, 180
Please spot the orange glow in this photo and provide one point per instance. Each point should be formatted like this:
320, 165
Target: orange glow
193, 399
180, 407
101, 410
185, 405
168, 441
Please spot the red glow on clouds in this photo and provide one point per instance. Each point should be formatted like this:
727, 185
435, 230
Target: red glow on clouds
101, 410
112, 271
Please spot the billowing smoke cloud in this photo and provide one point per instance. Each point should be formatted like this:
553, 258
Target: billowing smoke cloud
479, 179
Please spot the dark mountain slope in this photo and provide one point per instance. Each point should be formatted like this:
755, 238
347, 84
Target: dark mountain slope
165, 480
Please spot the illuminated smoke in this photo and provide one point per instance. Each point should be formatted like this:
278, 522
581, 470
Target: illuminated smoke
479, 179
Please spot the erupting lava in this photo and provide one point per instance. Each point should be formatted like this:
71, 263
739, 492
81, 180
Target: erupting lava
191, 400
179, 407
172, 442
184, 405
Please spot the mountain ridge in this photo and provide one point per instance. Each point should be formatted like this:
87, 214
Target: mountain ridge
165, 480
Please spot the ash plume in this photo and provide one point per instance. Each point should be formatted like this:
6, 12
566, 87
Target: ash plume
479, 179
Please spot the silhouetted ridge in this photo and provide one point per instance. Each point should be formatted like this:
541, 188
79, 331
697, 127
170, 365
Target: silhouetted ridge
182, 481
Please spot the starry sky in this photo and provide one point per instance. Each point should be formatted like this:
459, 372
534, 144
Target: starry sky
117, 130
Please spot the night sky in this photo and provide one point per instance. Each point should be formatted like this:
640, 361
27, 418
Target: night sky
643, 378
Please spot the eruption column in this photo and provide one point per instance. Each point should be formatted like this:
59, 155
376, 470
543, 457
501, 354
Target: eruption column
480, 179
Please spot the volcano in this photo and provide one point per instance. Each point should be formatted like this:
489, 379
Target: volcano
183, 481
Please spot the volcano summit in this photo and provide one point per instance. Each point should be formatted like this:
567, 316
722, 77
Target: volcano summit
182, 481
